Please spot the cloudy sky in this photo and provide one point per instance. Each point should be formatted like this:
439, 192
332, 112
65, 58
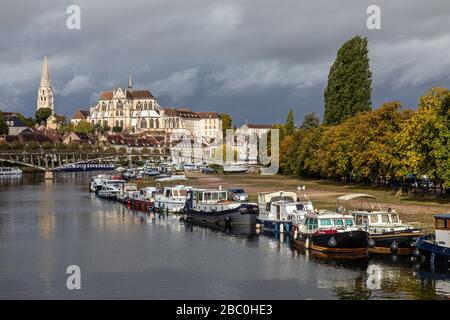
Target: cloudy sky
253, 59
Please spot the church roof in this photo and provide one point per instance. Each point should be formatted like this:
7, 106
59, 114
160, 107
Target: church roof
131, 94
106, 95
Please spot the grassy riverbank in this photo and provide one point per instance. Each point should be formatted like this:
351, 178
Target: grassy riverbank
322, 193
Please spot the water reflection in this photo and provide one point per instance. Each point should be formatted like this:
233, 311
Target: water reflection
44, 226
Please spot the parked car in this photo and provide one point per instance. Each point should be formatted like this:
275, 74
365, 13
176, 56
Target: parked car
207, 170
238, 194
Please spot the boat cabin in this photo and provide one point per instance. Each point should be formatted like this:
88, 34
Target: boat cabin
175, 192
209, 195
266, 198
327, 220
442, 223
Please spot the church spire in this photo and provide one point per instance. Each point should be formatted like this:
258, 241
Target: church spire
45, 77
45, 91
130, 83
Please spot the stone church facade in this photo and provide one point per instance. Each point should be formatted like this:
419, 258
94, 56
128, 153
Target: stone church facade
132, 110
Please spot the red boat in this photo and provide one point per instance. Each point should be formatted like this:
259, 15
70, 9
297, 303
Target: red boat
143, 200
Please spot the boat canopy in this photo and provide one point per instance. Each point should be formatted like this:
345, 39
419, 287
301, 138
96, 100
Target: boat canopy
265, 197
352, 196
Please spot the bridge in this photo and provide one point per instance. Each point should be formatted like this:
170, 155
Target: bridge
50, 161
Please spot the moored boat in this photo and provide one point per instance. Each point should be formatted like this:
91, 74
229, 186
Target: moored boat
212, 206
110, 189
279, 210
171, 199
143, 199
436, 250
10, 171
387, 233
85, 167
235, 168
331, 233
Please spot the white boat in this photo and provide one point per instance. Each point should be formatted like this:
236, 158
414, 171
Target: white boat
387, 232
110, 189
213, 207
125, 192
7, 171
172, 198
278, 211
235, 168
174, 177
97, 181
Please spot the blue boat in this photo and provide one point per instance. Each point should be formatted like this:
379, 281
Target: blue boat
85, 167
436, 250
278, 211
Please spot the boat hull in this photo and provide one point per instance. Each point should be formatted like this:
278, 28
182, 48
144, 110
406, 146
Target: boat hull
171, 206
401, 243
437, 256
274, 225
242, 215
141, 205
345, 243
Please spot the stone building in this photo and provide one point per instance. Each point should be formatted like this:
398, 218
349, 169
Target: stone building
132, 110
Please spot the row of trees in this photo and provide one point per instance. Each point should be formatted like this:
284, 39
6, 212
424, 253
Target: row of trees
389, 142
358, 144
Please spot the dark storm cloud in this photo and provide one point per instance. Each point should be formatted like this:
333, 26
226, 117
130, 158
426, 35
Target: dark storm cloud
254, 59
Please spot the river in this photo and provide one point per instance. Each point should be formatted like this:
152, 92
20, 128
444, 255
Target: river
46, 226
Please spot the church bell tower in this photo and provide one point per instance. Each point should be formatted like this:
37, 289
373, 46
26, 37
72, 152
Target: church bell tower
45, 91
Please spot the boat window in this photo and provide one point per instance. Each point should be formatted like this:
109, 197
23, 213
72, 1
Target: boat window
168, 193
311, 224
359, 220
373, 218
223, 196
325, 222
338, 223
300, 206
440, 224
207, 196
215, 196
394, 218
349, 222
385, 218
309, 207
183, 193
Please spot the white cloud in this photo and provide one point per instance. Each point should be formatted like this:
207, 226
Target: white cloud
178, 84
77, 84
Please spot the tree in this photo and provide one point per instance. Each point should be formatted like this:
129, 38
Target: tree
29, 122
424, 141
349, 82
117, 129
3, 124
289, 126
83, 126
42, 114
227, 122
310, 121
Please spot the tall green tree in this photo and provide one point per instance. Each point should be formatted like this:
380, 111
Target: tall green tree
42, 114
349, 82
227, 122
310, 121
289, 126
3, 125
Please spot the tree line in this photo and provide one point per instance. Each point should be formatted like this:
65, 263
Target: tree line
357, 144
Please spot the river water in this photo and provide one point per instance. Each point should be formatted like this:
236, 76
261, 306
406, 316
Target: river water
45, 226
